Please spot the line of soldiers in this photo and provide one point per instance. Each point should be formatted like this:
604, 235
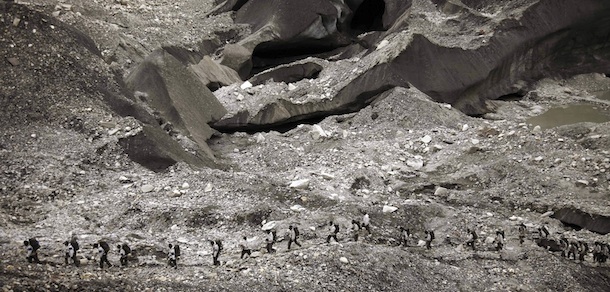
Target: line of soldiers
601, 251
71, 249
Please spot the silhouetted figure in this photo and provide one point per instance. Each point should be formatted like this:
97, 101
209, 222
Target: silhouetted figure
543, 231
583, 249
366, 222
293, 235
216, 249
70, 253
572, 250
405, 236
522, 233
172, 258
429, 238
103, 248
565, 246
334, 230
271, 238
124, 251
31, 246
245, 248
356, 227
499, 240
472, 238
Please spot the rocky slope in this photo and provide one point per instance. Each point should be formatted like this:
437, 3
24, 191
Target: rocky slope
130, 121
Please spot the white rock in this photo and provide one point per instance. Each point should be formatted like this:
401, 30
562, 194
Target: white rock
415, 164
297, 208
421, 243
327, 176
245, 85
124, 179
389, 209
474, 141
291, 87
513, 218
547, 214
113, 131
382, 44
465, 127
269, 225
208, 188
259, 138
426, 139
239, 97
441, 191
299, 184
147, 188
536, 130
538, 159
343, 260
185, 186
582, 183
490, 239
317, 132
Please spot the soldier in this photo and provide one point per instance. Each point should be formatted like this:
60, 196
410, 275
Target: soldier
366, 222
565, 246
293, 235
572, 250
522, 233
334, 230
216, 249
172, 257
499, 240
103, 250
405, 235
70, 253
124, 251
543, 231
429, 238
356, 229
271, 238
245, 248
583, 249
472, 238
32, 247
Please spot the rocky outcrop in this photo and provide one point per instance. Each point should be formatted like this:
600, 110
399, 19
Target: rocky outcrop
492, 55
581, 219
179, 94
288, 73
156, 150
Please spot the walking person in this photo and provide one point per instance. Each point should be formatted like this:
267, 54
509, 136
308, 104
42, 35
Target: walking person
356, 228
31, 246
216, 249
366, 222
271, 238
245, 248
293, 235
334, 230
103, 249
172, 257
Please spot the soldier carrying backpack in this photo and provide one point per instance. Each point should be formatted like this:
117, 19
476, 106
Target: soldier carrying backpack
334, 230
103, 249
271, 238
293, 235
472, 238
124, 251
32, 245
216, 249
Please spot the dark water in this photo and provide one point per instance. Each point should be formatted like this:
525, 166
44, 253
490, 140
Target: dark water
570, 114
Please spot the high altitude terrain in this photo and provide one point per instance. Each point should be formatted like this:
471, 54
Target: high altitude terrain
156, 122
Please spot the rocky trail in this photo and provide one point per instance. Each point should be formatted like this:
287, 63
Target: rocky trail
157, 122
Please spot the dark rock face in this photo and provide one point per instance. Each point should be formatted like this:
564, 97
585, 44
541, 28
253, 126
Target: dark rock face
179, 94
155, 150
593, 222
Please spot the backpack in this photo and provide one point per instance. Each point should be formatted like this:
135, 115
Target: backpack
34, 244
296, 231
219, 243
177, 250
432, 235
126, 248
336, 228
74, 244
105, 246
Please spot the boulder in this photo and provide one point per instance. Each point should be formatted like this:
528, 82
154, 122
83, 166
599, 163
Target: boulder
389, 209
578, 218
299, 184
178, 94
155, 150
